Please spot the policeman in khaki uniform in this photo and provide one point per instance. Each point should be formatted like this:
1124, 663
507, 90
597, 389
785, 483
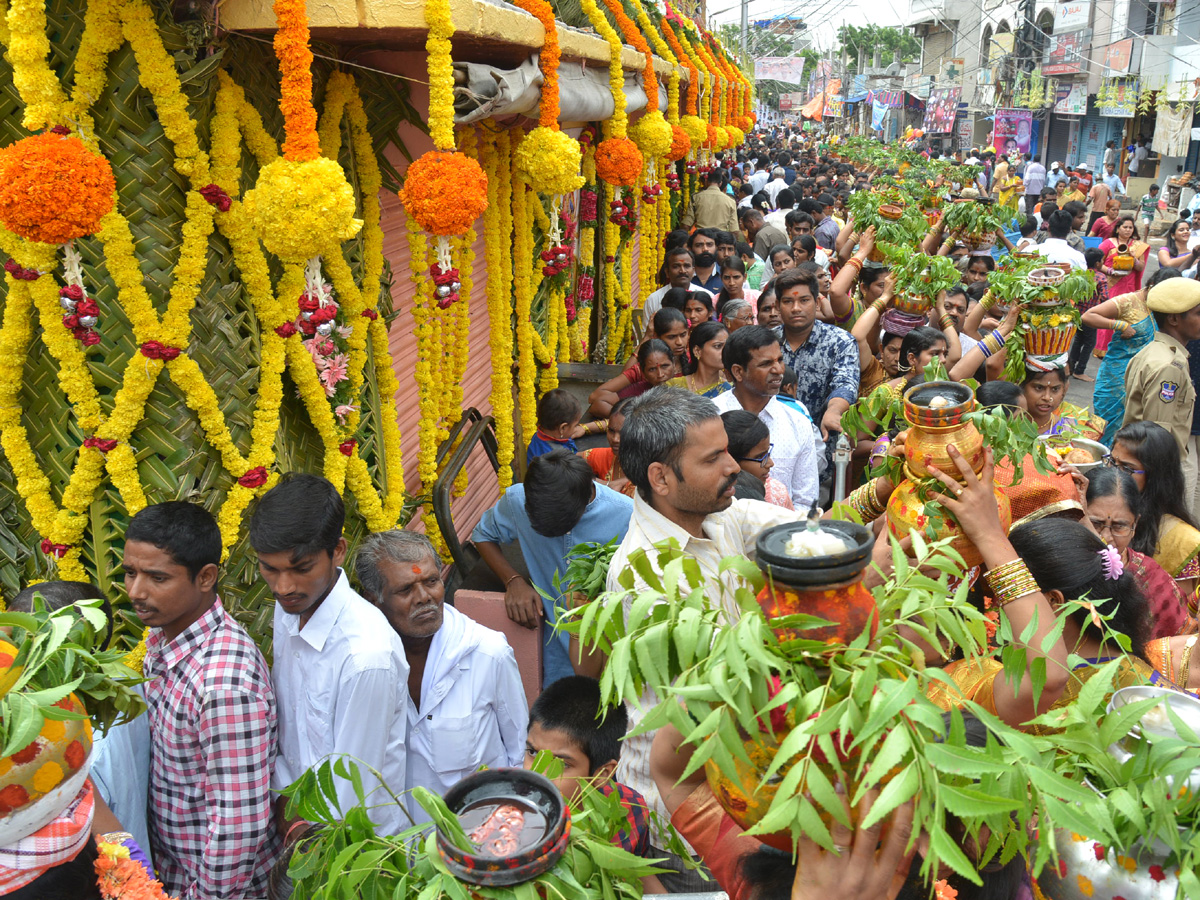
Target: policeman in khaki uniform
712, 207
1158, 383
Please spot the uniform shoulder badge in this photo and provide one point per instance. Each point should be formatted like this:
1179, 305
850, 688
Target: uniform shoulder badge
1168, 391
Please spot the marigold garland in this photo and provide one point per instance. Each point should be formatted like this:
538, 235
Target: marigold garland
522, 232
497, 231
121, 878
33, 78
548, 59
619, 161
295, 69
684, 57
653, 135
444, 192
441, 74
302, 209
107, 20
53, 188
549, 160
616, 74
681, 143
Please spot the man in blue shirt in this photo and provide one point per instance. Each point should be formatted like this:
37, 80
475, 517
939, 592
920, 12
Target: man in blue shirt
823, 356
558, 507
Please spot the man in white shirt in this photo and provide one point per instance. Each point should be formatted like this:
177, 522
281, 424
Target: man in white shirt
1113, 180
681, 270
675, 451
776, 184
1055, 248
467, 707
339, 671
753, 360
1136, 155
761, 175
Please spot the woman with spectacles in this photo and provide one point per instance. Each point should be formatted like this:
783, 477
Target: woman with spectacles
750, 445
1112, 504
1166, 529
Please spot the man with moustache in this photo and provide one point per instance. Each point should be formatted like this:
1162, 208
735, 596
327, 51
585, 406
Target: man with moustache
675, 452
339, 672
753, 363
467, 707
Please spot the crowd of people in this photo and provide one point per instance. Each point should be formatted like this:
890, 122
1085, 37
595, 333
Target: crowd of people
772, 320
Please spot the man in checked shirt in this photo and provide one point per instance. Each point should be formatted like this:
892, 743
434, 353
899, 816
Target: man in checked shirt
211, 709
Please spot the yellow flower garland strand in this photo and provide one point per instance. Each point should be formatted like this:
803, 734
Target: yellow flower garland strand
522, 306
33, 78
616, 73
497, 229
441, 73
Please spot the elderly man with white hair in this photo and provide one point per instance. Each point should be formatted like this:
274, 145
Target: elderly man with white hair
468, 707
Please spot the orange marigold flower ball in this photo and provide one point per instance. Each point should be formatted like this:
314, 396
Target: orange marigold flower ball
681, 144
619, 161
714, 138
445, 192
53, 188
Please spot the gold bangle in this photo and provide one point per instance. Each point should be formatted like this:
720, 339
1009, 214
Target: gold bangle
946, 322
865, 501
1011, 581
1185, 661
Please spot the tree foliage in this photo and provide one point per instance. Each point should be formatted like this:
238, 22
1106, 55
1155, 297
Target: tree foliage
894, 44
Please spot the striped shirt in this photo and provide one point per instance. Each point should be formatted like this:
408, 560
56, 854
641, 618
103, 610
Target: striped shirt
212, 744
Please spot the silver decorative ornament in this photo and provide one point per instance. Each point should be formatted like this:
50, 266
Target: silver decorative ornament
325, 329
88, 321
443, 291
455, 287
306, 315
67, 303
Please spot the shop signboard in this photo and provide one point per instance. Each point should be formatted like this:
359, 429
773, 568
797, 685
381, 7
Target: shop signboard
940, 110
1072, 16
1117, 57
1013, 131
1071, 98
835, 106
966, 130
1122, 101
1065, 56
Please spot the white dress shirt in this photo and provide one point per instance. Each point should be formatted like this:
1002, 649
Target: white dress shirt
341, 687
1057, 250
794, 454
773, 187
759, 180
731, 532
472, 711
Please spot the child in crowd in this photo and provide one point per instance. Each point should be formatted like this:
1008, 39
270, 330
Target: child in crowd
1148, 209
754, 266
564, 721
750, 446
558, 415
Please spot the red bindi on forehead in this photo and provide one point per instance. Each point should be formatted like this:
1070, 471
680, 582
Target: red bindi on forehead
416, 570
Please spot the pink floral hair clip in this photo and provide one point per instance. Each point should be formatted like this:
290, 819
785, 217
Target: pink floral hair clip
1110, 558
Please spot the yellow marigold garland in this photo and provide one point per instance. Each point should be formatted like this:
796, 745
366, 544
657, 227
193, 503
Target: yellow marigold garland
497, 230
522, 306
28, 48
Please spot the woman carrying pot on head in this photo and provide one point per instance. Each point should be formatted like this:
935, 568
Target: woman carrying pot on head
1166, 528
879, 333
1045, 389
856, 286
1133, 328
704, 374
1113, 502
1032, 574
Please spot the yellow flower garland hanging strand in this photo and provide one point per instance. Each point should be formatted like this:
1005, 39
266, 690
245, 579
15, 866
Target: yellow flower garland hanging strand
497, 232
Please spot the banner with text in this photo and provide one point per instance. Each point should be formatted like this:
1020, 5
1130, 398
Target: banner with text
1122, 100
1071, 98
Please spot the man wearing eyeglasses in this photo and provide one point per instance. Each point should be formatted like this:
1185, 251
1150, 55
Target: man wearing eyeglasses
753, 360
1158, 382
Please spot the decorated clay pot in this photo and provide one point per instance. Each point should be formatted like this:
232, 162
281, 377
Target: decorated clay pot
51, 769
912, 304
829, 587
907, 512
984, 241
935, 425
1122, 259
876, 255
891, 211
1049, 339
